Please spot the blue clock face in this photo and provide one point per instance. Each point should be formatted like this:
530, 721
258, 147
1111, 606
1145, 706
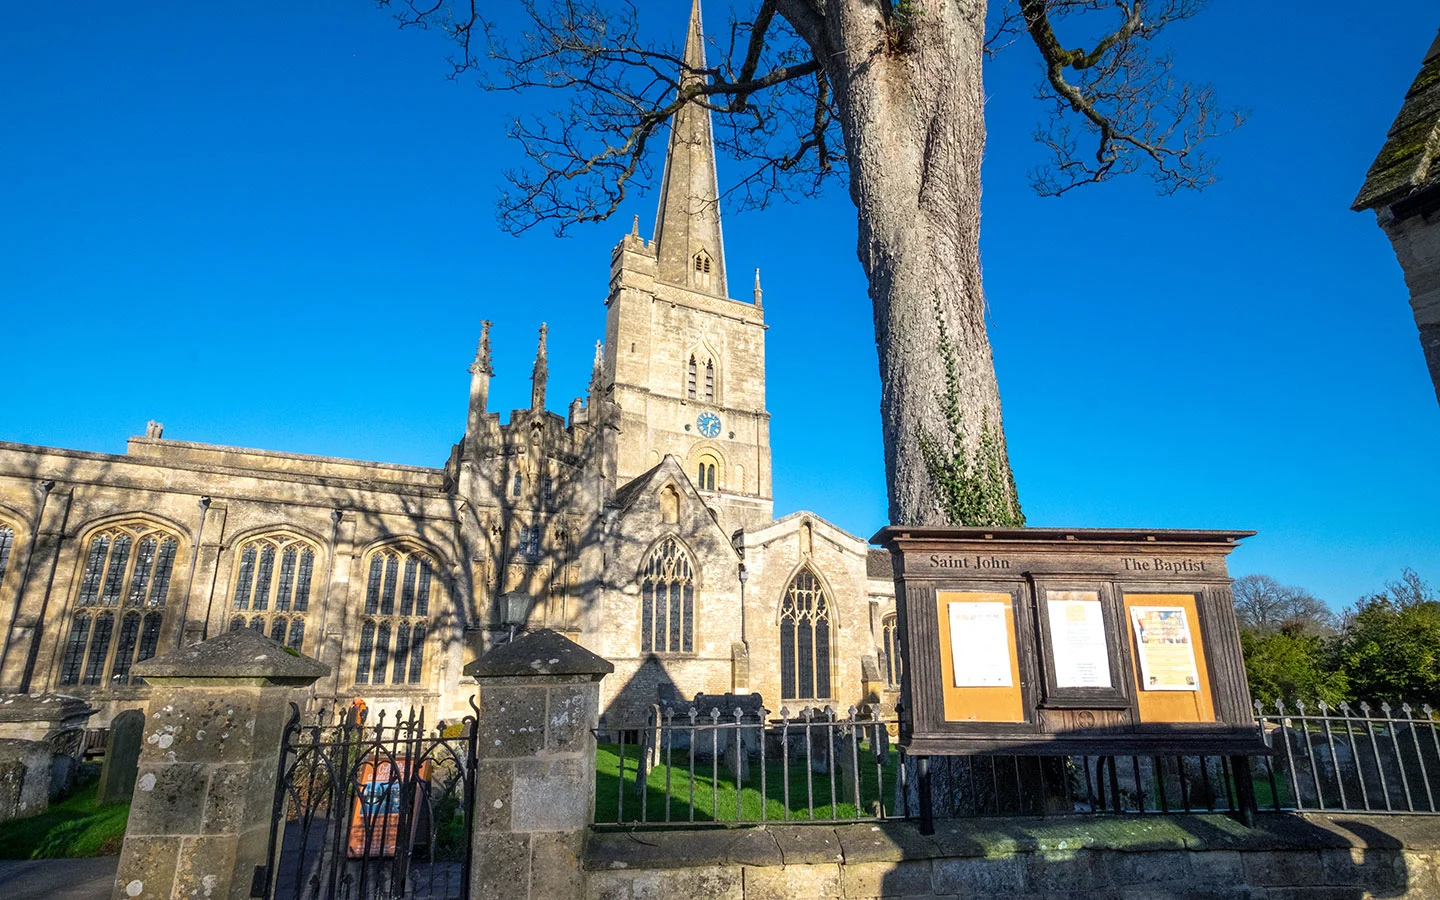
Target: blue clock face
709, 424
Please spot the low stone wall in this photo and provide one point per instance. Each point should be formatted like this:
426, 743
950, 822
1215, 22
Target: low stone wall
1124, 858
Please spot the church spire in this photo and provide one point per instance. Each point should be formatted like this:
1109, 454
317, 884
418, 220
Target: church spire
541, 373
688, 242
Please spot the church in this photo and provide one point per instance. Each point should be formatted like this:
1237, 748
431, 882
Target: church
640, 524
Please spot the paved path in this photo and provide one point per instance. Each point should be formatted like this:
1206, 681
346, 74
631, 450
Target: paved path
58, 879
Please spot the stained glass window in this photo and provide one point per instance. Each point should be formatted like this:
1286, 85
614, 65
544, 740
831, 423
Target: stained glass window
392, 636
126, 566
805, 620
667, 597
280, 595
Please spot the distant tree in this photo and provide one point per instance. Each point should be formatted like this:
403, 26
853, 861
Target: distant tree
1390, 647
887, 96
1290, 663
1264, 604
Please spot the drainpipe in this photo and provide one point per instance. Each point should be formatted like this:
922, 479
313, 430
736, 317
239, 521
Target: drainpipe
45, 488
204, 505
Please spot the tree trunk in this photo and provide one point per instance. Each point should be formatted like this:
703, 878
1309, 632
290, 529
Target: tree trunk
908, 92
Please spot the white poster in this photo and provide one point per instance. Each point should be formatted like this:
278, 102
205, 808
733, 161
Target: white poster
980, 645
1167, 654
1077, 639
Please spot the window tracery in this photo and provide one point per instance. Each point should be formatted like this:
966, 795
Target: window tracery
7, 543
396, 619
667, 600
271, 592
805, 621
889, 627
120, 610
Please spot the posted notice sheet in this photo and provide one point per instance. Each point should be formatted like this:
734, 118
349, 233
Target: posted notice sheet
1167, 654
980, 645
1077, 639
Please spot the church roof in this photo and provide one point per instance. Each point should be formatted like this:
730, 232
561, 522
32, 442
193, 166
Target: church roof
877, 565
1409, 162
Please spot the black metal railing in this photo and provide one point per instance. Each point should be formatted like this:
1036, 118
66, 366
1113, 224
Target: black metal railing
372, 811
708, 766
695, 767
1363, 759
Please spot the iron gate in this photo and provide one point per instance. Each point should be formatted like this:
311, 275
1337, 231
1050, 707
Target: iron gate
376, 810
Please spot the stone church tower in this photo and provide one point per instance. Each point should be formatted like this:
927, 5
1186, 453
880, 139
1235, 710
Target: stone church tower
685, 362
640, 524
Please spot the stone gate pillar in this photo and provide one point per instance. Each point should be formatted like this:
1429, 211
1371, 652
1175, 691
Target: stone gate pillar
535, 787
204, 792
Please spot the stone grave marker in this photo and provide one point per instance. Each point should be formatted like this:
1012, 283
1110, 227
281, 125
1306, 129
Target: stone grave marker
122, 758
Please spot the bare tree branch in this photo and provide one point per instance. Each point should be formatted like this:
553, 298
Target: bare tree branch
1128, 102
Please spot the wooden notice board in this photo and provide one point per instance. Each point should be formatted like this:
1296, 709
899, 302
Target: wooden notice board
1171, 705
1001, 703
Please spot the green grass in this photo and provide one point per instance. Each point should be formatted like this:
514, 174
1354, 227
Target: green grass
720, 792
73, 827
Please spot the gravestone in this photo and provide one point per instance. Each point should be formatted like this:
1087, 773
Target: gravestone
41, 738
122, 758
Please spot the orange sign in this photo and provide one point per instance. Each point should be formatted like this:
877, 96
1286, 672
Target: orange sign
375, 820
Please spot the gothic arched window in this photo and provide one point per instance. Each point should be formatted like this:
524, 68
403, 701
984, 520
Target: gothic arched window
889, 626
397, 617
273, 579
710, 380
805, 620
121, 607
667, 600
691, 374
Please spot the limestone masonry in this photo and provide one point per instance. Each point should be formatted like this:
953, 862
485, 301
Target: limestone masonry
641, 525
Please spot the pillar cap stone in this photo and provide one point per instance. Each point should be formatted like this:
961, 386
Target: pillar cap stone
236, 654
541, 652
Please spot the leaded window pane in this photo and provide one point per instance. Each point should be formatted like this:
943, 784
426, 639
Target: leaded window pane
245, 578
407, 589
7, 541
382, 653
94, 568
675, 612
264, 572
286, 585
144, 564
297, 634
258, 624
689, 645
302, 584
787, 658
237, 623
422, 591
277, 629
647, 615
822, 662
75, 649
149, 636
164, 565
805, 660
367, 644
115, 575
99, 647
125, 647
417, 652
387, 594
402, 653
372, 589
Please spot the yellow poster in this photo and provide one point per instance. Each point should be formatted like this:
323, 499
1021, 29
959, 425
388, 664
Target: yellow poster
1167, 654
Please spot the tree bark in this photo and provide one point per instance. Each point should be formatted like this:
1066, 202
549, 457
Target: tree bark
911, 107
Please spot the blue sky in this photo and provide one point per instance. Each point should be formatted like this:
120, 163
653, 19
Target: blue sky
272, 225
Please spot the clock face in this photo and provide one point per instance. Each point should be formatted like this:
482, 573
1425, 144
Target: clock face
709, 424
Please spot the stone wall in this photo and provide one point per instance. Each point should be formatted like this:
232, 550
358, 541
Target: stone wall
1417, 245
1129, 858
